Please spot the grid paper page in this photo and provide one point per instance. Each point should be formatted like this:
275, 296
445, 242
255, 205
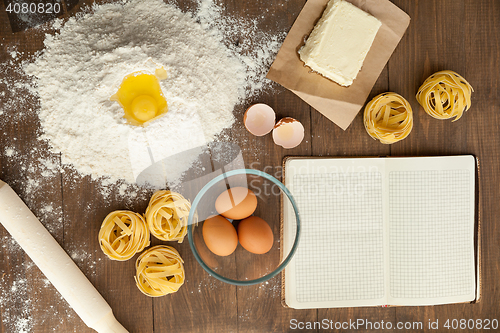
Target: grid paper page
340, 255
430, 233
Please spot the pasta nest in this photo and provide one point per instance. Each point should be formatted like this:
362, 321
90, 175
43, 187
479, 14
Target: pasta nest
123, 234
388, 117
159, 271
444, 95
167, 216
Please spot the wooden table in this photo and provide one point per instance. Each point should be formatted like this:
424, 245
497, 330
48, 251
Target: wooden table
461, 35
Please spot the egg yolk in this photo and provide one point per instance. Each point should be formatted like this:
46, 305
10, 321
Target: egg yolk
144, 107
141, 98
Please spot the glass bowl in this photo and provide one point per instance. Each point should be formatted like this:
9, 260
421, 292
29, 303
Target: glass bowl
243, 267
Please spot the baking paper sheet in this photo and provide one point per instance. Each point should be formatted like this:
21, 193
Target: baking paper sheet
337, 103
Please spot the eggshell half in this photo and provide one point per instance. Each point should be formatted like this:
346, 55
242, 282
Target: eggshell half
236, 203
288, 133
259, 119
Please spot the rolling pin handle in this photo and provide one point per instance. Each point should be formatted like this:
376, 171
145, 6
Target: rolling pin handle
108, 324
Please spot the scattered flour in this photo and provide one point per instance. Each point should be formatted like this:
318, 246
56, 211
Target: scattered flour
214, 62
210, 71
9, 152
19, 292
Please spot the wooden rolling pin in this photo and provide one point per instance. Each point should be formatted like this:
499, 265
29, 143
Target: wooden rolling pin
57, 266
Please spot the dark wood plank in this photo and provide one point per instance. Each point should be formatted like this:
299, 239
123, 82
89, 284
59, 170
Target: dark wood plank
29, 301
433, 42
482, 59
467, 41
202, 304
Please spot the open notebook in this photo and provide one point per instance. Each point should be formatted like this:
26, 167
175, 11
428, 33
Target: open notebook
381, 231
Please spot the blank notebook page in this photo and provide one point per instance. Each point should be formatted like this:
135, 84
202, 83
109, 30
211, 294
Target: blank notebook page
431, 231
340, 258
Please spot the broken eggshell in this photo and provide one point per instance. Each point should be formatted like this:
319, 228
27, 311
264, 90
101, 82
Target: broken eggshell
259, 119
288, 133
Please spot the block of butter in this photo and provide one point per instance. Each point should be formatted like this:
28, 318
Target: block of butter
340, 41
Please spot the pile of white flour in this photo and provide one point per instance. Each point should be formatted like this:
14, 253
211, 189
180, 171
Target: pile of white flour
84, 64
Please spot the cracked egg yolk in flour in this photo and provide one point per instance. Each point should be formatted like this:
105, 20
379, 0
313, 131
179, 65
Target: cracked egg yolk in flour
141, 98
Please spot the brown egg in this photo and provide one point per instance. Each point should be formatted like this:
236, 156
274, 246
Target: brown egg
220, 235
236, 203
255, 235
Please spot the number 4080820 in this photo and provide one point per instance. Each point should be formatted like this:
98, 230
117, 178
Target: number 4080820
471, 324
33, 8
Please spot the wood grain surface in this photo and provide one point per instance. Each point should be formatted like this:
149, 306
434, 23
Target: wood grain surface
460, 35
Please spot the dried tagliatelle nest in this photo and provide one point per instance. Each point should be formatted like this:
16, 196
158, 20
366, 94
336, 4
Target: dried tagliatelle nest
167, 216
388, 117
123, 234
445, 95
159, 271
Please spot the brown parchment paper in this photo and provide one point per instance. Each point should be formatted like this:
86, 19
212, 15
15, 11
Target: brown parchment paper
337, 103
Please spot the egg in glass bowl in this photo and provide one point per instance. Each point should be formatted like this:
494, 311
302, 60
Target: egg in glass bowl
234, 227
